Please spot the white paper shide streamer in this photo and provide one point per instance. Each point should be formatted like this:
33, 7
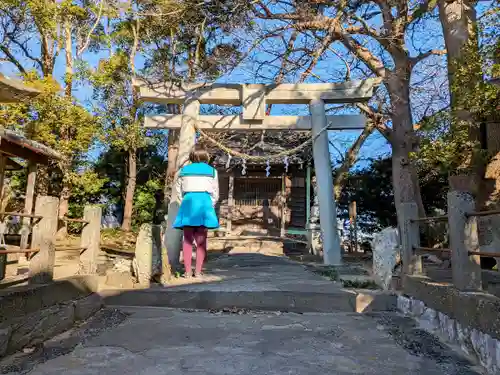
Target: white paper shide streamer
244, 167
268, 168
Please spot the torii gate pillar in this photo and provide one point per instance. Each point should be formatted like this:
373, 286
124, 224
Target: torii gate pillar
322, 164
173, 237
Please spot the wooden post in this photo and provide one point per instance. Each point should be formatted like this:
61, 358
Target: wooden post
91, 240
308, 195
3, 257
283, 205
466, 269
353, 226
230, 203
3, 162
44, 233
28, 205
410, 239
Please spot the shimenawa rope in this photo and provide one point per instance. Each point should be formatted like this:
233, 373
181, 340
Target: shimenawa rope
257, 157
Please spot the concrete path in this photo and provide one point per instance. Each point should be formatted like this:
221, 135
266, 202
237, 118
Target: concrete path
308, 326
157, 341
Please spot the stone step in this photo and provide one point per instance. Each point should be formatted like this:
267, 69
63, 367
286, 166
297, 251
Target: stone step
339, 300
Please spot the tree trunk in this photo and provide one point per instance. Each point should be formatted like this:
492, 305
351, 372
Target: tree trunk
132, 148
129, 195
68, 47
65, 193
173, 149
403, 139
62, 229
458, 20
350, 158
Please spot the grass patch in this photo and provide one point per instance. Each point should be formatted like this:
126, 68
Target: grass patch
332, 274
359, 284
116, 238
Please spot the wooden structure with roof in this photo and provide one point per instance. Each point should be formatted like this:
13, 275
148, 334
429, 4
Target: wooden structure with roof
275, 204
14, 145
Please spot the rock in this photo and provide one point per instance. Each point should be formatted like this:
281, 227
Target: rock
120, 280
429, 320
417, 308
4, 339
122, 265
404, 304
33, 329
385, 247
446, 264
148, 253
88, 306
434, 259
464, 338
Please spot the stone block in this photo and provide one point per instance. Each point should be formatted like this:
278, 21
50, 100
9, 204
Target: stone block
472, 309
404, 304
35, 328
385, 247
429, 320
464, 338
497, 354
417, 308
30, 299
5, 334
86, 307
148, 253
120, 280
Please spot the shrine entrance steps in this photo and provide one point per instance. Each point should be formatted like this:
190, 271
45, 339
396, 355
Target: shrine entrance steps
256, 282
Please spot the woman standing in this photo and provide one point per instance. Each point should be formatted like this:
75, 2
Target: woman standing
198, 187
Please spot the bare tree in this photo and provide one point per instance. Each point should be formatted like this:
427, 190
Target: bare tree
351, 24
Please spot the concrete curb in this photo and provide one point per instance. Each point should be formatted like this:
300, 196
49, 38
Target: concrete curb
292, 301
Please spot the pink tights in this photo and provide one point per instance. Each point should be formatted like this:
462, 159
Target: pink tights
199, 236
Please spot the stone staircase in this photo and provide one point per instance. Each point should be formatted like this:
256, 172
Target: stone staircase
257, 282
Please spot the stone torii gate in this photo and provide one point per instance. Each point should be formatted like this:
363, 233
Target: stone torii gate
253, 98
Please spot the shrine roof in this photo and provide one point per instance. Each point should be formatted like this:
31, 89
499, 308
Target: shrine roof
14, 90
264, 149
17, 145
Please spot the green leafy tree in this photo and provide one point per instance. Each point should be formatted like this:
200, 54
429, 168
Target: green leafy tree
150, 165
371, 187
53, 119
48, 119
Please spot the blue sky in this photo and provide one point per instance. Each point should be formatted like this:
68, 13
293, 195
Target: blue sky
329, 69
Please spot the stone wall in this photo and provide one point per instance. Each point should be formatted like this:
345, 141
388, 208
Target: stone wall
470, 320
31, 315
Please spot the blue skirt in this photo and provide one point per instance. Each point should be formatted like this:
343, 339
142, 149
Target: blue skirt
196, 210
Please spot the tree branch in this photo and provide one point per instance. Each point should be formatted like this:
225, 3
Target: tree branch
425, 7
350, 159
11, 58
373, 62
91, 31
377, 120
25, 50
433, 52
325, 43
